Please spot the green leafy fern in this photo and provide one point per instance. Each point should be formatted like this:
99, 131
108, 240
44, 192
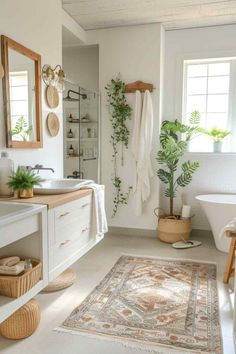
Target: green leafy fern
23, 179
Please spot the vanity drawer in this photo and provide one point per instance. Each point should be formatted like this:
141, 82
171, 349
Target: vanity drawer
72, 220
67, 248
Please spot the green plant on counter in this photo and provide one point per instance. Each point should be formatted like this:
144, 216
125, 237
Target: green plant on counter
23, 179
22, 129
174, 140
120, 112
216, 134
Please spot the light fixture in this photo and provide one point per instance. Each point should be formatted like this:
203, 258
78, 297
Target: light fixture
54, 77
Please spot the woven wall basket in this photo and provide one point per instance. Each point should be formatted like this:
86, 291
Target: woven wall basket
23, 322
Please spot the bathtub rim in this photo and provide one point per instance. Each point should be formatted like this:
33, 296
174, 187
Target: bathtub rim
210, 195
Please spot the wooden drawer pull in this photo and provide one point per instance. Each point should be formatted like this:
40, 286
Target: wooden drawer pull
62, 215
64, 243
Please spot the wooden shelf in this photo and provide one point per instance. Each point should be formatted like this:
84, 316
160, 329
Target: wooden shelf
81, 139
88, 139
91, 121
72, 157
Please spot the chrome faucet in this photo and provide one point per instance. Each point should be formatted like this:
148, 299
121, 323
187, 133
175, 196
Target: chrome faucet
39, 168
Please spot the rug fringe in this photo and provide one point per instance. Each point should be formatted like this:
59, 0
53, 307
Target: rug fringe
170, 259
131, 344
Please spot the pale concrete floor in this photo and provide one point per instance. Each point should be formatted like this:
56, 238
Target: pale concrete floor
91, 269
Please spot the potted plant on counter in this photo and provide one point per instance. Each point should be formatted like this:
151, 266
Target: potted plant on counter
174, 139
23, 181
217, 135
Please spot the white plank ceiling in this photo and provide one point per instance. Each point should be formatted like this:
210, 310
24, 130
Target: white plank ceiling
92, 14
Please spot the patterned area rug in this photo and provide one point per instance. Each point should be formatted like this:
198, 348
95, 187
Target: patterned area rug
156, 302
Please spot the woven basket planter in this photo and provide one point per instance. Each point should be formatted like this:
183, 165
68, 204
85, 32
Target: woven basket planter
23, 322
15, 286
26, 193
171, 229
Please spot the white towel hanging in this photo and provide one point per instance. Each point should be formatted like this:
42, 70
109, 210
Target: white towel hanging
142, 153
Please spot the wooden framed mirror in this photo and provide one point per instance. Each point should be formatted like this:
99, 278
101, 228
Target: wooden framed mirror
21, 95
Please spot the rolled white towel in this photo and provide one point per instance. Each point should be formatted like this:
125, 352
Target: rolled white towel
9, 261
13, 270
231, 226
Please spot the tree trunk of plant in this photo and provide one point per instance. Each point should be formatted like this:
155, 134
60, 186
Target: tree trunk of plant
171, 206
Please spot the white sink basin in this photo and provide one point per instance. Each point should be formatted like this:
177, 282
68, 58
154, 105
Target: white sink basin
60, 186
10, 211
7, 209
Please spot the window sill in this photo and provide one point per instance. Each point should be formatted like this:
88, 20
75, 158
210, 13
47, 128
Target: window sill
217, 154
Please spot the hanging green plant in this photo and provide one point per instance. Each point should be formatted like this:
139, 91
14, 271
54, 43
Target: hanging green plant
120, 112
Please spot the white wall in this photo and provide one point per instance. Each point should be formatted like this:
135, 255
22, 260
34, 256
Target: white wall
81, 65
134, 52
33, 25
216, 172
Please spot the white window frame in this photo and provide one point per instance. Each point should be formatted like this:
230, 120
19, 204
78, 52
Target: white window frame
179, 78
231, 123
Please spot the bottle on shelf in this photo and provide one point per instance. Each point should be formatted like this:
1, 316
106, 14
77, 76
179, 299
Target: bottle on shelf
6, 170
89, 132
71, 151
70, 134
70, 119
28, 264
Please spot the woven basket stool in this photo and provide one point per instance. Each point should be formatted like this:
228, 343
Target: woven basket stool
23, 322
64, 280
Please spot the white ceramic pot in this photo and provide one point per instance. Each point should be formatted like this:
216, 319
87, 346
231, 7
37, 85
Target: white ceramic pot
218, 146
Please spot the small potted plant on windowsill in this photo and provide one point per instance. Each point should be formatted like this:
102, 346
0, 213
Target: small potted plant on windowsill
23, 181
217, 135
174, 139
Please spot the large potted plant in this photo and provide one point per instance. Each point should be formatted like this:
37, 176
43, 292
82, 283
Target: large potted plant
174, 139
217, 135
23, 181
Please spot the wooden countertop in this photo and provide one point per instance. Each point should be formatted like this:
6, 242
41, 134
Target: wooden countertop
53, 200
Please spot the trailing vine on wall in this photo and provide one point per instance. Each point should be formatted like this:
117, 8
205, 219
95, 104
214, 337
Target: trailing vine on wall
120, 112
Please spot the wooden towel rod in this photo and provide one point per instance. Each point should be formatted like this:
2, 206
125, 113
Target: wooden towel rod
138, 86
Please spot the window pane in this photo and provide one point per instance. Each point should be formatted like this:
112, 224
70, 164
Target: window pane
19, 108
219, 120
197, 85
19, 93
196, 103
201, 143
218, 84
19, 79
219, 69
197, 70
217, 103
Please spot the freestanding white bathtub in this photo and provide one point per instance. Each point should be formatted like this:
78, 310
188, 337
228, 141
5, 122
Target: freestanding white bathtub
219, 209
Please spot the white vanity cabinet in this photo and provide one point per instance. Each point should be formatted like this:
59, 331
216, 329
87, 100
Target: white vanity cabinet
57, 229
23, 232
71, 233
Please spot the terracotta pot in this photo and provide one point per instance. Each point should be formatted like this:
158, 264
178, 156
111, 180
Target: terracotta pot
26, 193
171, 229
